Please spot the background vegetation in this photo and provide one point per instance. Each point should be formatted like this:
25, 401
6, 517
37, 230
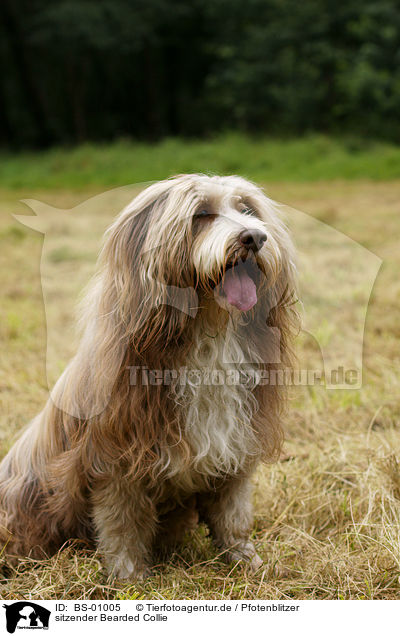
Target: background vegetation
263, 159
78, 70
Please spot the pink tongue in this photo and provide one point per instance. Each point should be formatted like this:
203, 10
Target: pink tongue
240, 290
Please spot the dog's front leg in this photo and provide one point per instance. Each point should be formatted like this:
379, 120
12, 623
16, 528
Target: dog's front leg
125, 522
229, 515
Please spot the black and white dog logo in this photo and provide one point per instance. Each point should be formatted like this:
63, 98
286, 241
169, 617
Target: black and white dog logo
26, 615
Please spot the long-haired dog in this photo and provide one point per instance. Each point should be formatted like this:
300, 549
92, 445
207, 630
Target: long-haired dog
168, 406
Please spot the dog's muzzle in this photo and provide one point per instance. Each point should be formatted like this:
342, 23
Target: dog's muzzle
239, 283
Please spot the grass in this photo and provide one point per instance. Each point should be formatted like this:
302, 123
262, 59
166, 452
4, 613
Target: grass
263, 159
327, 516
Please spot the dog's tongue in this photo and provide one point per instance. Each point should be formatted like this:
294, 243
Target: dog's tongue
240, 290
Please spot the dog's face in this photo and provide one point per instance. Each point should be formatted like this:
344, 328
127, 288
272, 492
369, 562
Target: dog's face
234, 251
218, 235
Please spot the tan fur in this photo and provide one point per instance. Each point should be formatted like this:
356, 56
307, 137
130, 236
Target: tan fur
120, 464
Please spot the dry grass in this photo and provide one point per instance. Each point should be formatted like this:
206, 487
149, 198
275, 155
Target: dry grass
327, 515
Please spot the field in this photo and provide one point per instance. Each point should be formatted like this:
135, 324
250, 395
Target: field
328, 514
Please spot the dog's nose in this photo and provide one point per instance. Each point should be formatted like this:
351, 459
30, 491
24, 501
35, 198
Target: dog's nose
252, 239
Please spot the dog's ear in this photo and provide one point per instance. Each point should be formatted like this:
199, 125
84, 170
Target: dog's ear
280, 306
150, 307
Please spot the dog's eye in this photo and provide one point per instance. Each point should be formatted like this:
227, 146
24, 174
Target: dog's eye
203, 214
247, 210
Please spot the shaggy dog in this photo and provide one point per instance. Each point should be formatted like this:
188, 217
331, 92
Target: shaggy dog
140, 438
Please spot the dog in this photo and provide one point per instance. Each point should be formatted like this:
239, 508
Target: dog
196, 276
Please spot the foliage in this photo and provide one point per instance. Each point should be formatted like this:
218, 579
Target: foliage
80, 70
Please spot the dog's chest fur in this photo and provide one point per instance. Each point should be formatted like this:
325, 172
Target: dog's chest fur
217, 404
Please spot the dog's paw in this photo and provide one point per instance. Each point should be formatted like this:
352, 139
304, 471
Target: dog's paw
245, 551
125, 568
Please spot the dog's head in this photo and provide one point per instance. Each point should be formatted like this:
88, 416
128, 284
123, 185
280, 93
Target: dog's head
194, 240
